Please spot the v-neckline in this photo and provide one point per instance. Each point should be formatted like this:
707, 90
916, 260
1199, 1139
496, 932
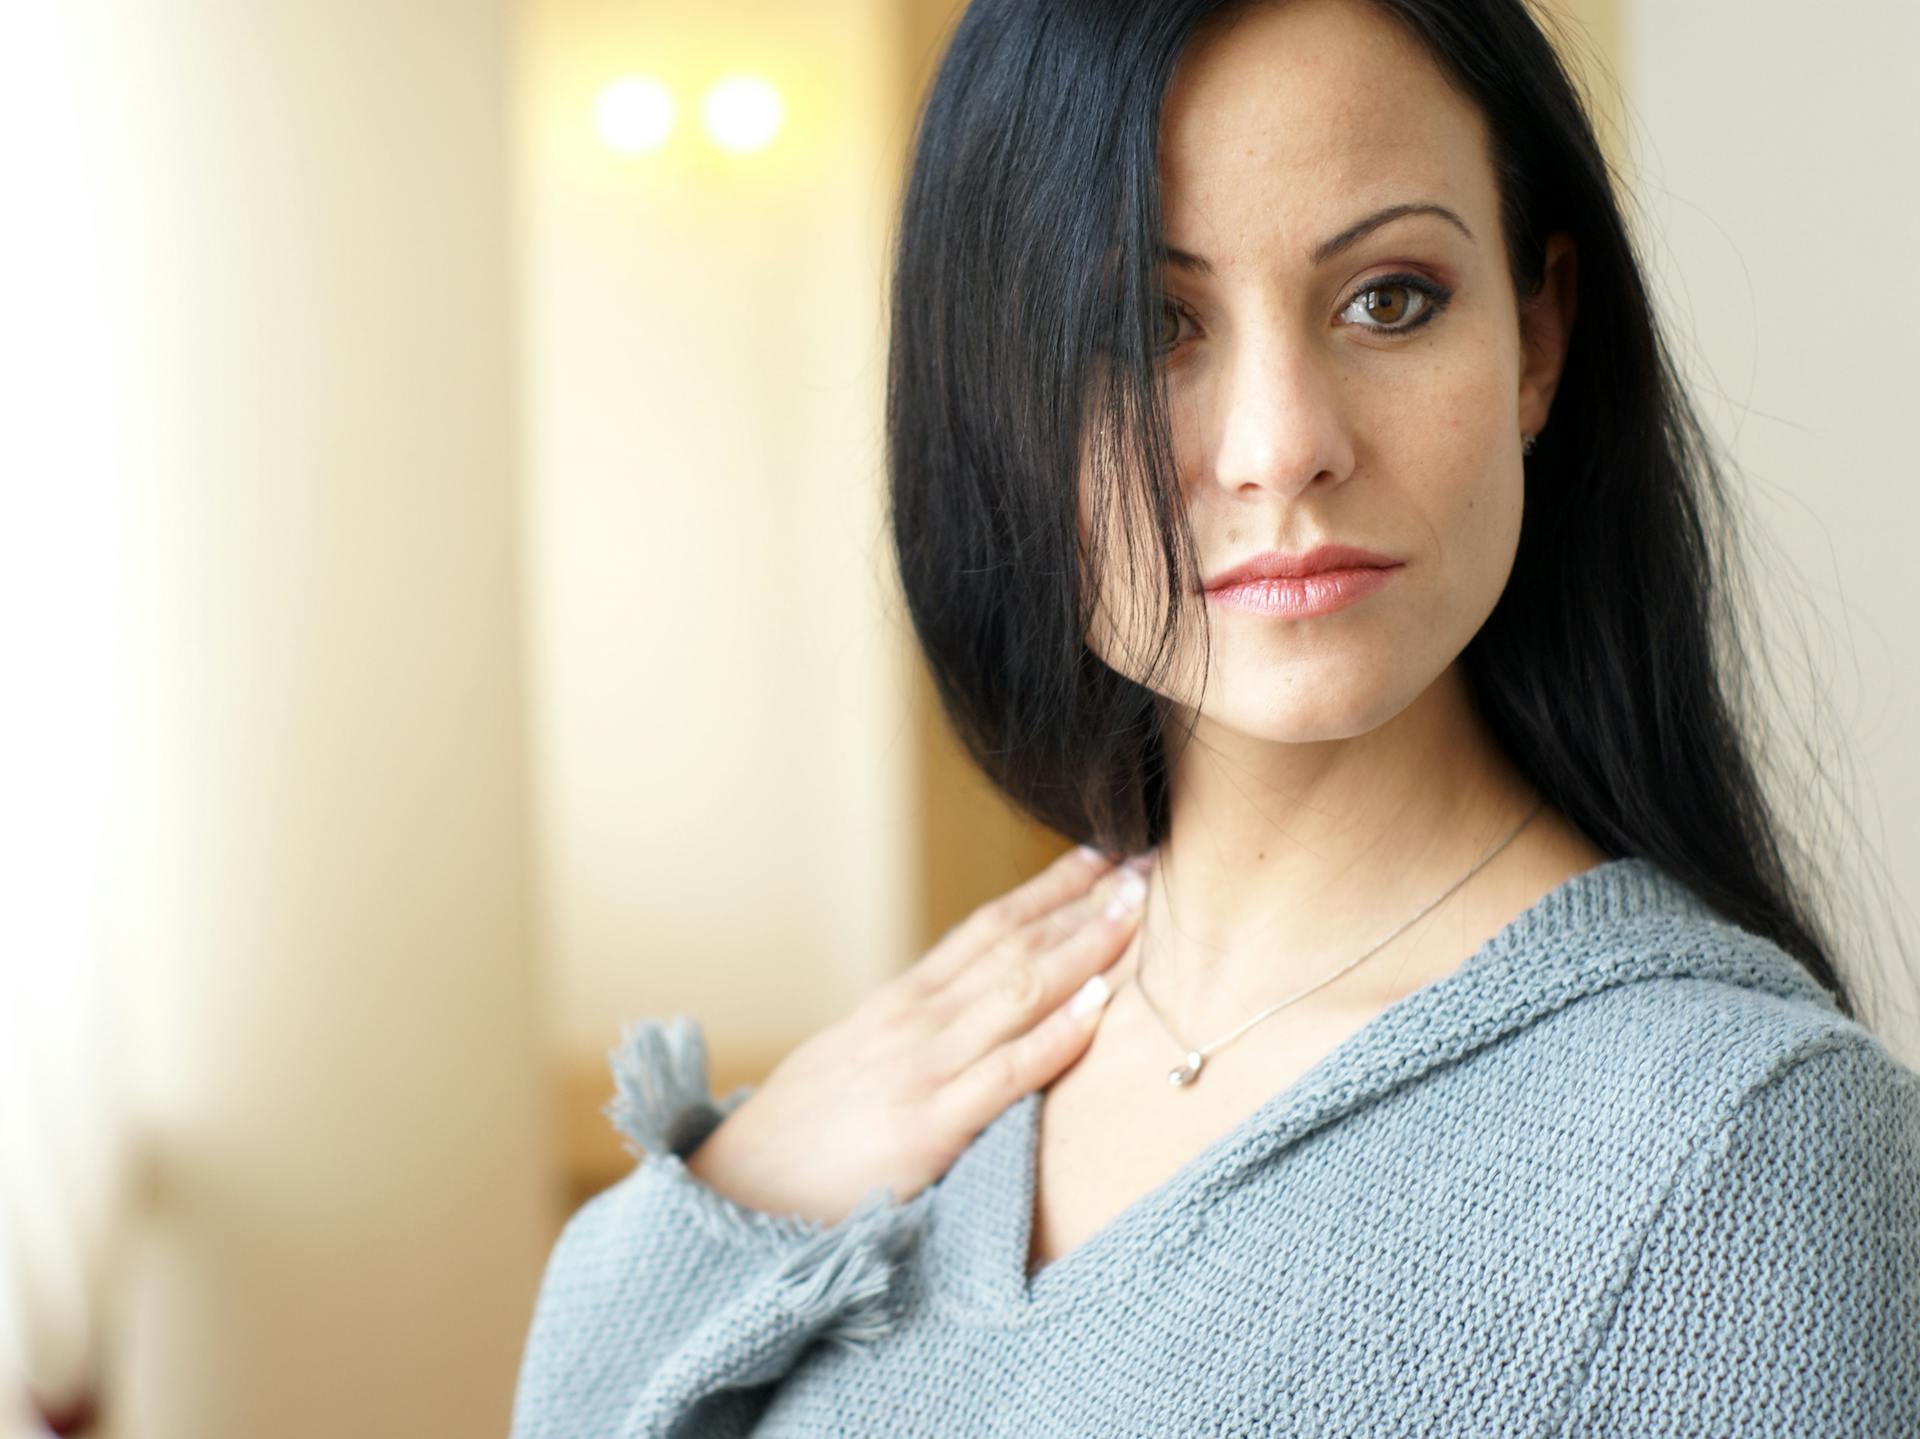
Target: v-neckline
1009, 1148
1035, 1288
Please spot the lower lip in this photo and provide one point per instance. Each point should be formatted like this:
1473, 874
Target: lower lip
1303, 596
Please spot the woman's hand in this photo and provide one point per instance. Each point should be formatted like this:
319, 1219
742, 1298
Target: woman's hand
893, 1093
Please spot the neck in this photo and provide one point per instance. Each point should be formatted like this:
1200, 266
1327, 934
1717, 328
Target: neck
1283, 862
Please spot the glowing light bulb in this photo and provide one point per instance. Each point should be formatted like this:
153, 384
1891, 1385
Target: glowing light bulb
634, 115
742, 113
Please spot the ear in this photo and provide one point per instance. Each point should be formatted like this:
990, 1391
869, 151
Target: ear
1546, 323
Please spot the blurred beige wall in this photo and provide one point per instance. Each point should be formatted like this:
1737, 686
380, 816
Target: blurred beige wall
327, 1023
720, 731
1777, 230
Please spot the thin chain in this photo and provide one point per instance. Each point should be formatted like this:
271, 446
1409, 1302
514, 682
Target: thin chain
1190, 1071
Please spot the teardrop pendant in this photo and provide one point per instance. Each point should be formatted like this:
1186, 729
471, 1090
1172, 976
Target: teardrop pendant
1188, 1072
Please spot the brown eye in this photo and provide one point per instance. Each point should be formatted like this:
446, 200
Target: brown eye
1388, 301
1389, 313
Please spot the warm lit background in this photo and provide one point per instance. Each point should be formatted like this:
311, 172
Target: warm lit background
446, 613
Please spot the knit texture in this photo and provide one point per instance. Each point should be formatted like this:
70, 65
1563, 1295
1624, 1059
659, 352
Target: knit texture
1626, 1171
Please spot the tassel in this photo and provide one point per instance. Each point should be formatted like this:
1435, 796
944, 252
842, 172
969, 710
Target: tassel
663, 1104
665, 1110
842, 1278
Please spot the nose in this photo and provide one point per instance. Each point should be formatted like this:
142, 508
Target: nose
1278, 422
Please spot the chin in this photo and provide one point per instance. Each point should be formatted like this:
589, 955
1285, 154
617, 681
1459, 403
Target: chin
1304, 707
1302, 724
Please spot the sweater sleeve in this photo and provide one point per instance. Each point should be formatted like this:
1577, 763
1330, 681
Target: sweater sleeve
668, 1309
1777, 1291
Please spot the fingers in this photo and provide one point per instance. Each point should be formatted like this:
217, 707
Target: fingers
1031, 973
1070, 877
1034, 1054
1000, 966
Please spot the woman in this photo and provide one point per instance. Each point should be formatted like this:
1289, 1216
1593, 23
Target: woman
1289, 486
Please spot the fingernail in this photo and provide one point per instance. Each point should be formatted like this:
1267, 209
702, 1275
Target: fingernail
1091, 853
1128, 891
1142, 861
1089, 997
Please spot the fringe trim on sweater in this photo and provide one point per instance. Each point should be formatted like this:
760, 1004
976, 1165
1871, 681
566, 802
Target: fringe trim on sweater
843, 1279
665, 1109
663, 1104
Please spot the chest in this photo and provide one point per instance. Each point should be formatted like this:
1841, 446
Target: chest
1396, 1268
1112, 1129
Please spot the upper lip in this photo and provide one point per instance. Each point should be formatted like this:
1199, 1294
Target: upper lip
1277, 564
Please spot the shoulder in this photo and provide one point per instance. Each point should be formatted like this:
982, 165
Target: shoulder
1839, 1107
1774, 1283
1770, 1278
1827, 1120
1684, 1019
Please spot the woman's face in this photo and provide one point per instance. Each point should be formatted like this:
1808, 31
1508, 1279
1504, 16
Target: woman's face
1332, 381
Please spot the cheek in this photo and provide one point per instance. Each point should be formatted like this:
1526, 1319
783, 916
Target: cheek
1454, 471
1475, 530
1475, 493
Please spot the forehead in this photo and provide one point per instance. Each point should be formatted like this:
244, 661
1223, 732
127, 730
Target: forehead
1290, 112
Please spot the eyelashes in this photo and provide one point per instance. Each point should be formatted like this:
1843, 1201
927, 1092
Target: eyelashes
1433, 300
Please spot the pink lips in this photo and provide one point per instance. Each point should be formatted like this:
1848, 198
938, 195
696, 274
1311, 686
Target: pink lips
1318, 582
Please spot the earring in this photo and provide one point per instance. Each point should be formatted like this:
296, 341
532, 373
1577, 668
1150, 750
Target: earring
1526, 444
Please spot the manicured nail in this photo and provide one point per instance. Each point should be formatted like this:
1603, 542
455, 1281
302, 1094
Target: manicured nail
1091, 853
1089, 997
1142, 861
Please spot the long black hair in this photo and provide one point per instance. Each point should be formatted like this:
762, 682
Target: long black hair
1025, 311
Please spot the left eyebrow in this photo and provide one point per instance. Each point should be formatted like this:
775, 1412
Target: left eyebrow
1333, 245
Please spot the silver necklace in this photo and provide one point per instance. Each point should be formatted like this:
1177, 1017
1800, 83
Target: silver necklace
1189, 1071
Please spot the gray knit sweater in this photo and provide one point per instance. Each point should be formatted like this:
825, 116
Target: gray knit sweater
1625, 1172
